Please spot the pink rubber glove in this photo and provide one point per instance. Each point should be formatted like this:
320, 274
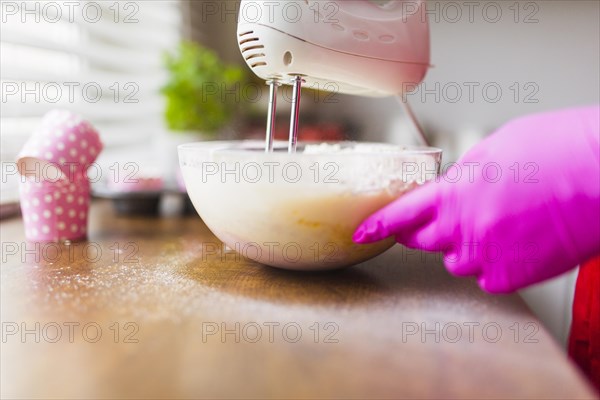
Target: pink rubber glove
520, 207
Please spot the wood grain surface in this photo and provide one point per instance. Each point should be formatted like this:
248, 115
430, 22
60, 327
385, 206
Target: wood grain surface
157, 308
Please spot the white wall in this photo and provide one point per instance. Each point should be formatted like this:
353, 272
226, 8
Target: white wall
559, 54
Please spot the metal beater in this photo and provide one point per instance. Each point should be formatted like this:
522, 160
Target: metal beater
294, 117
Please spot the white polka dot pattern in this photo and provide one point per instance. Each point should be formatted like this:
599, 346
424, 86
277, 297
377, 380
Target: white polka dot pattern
48, 215
57, 208
65, 139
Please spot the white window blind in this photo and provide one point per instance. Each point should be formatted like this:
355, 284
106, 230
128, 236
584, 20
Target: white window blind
101, 59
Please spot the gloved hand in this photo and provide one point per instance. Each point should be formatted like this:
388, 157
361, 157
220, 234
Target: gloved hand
520, 207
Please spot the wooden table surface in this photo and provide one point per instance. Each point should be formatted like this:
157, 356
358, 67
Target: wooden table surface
148, 308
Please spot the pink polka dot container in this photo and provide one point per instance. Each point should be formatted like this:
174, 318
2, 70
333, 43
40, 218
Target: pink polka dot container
54, 188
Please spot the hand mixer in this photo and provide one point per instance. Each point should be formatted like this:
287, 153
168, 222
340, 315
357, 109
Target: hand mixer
371, 48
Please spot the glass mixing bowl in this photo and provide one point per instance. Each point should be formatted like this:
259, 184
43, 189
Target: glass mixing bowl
299, 211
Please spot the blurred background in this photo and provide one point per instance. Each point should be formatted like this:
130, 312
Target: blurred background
492, 61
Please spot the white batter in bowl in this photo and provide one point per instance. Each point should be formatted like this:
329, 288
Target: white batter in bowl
299, 211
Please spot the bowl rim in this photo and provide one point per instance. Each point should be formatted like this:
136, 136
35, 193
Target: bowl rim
225, 147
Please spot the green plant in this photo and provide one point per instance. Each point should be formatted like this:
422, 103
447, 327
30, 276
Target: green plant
199, 90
